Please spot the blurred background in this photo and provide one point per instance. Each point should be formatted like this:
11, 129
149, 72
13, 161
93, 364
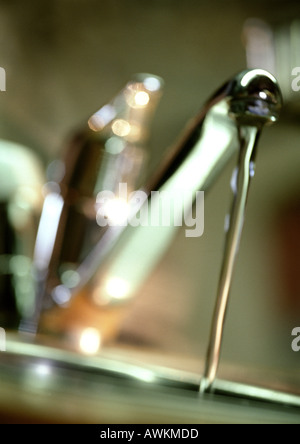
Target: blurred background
66, 58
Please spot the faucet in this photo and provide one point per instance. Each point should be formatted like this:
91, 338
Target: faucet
251, 99
108, 150
104, 261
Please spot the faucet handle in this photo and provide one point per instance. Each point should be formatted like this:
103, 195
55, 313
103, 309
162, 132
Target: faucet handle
108, 151
134, 105
113, 140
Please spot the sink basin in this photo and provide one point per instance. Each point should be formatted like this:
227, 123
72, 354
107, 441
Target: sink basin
41, 383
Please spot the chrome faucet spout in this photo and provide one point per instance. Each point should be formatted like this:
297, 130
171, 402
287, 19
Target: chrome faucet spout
258, 113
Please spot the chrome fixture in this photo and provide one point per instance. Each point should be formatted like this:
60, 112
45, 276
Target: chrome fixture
109, 150
92, 257
259, 113
231, 119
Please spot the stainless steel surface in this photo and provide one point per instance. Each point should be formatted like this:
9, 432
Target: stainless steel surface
249, 132
43, 383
